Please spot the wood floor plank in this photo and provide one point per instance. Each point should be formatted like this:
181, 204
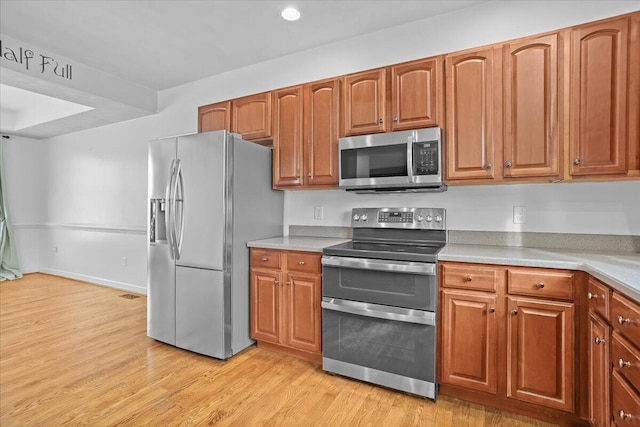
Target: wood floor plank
72, 353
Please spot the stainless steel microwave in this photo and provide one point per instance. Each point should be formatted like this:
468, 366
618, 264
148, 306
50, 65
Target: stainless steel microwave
408, 161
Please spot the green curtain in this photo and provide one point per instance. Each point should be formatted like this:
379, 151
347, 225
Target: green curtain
9, 268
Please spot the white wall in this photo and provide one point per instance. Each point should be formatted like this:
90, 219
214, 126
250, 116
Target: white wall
95, 181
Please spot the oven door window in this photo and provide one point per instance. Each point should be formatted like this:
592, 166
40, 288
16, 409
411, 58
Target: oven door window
402, 348
387, 288
374, 162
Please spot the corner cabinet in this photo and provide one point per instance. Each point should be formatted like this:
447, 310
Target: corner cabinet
285, 302
508, 338
306, 128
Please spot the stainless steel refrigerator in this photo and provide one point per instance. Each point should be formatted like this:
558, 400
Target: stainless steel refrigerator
209, 194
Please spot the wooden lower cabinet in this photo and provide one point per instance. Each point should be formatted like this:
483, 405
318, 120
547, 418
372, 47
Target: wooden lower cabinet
599, 376
286, 289
513, 343
540, 352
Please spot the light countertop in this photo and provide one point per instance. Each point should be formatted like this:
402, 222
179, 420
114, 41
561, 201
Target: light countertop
620, 270
296, 243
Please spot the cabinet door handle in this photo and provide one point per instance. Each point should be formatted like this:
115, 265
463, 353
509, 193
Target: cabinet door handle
395, 119
591, 296
622, 320
297, 175
623, 364
264, 259
540, 285
488, 166
308, 174
576, 161
599, 340
514, 312
301, 262
508, 165
492, 309
468, 278
288, 282
623, 415
277, 282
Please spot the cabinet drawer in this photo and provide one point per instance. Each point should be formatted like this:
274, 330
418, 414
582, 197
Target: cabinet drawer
265, 258
625, 317
599, 296
625, 402
626, 359
540, 283
303, 262
473, 277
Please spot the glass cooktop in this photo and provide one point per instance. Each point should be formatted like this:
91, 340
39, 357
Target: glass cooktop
427, 252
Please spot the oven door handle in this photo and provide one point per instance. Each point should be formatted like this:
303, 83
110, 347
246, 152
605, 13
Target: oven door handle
425, 269
399, 314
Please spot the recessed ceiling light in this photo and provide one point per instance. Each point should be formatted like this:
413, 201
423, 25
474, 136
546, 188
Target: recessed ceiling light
290, 14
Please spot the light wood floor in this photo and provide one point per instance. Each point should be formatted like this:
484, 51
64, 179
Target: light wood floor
72, 353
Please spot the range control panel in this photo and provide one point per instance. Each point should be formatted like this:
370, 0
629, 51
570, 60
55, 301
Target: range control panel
421, 218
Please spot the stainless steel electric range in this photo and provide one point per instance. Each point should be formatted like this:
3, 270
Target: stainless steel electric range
379, 299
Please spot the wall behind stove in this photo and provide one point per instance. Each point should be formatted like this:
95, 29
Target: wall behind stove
588, 208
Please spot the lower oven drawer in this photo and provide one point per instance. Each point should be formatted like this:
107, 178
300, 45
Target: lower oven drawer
392, 283
390, 346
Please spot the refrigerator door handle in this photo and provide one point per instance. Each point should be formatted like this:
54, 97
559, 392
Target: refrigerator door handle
178, 208
168, 200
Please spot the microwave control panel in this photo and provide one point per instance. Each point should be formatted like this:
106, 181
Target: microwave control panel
425, 158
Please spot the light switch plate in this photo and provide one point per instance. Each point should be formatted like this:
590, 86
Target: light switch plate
318, 212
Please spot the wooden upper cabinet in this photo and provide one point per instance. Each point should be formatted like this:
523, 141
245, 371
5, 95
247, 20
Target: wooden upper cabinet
321, 132
287, 132
416, 94
251, 116
364, 100
531, 99
599, 86
541, 352
470, 111
214, 117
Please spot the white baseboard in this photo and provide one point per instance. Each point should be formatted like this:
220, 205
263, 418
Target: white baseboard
97, 280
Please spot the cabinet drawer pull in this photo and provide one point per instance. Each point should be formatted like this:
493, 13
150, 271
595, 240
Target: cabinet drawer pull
576, 161
395, 119
623, 364
508, 165
380, 121
514, 312
264, 259
591, 296
301, 262
277, 282
288, 282
599, 340
622, 320
468, 278
540, 285
488, 166
623, 415
492, 309
308, 174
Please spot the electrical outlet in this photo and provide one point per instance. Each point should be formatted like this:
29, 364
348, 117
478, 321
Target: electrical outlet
519, 214
318, 212
124, 261
55, 249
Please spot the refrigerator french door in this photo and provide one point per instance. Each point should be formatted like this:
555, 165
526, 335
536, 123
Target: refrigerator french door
198, 260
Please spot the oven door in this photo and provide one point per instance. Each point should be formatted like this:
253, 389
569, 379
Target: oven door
392, 283
390, 346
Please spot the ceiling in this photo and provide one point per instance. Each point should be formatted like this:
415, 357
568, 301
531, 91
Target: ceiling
162, 44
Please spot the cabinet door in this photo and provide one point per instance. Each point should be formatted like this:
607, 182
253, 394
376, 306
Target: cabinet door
303, 313
415, 93
599, 85
214, 117
599, 387
540, 352
287, 137
364, 100
251, 116
531, 132
469, 343
265, 305
321, 132
469, 116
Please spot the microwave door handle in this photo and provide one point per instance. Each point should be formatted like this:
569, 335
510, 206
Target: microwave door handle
379, 311
424, 269
410, 140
